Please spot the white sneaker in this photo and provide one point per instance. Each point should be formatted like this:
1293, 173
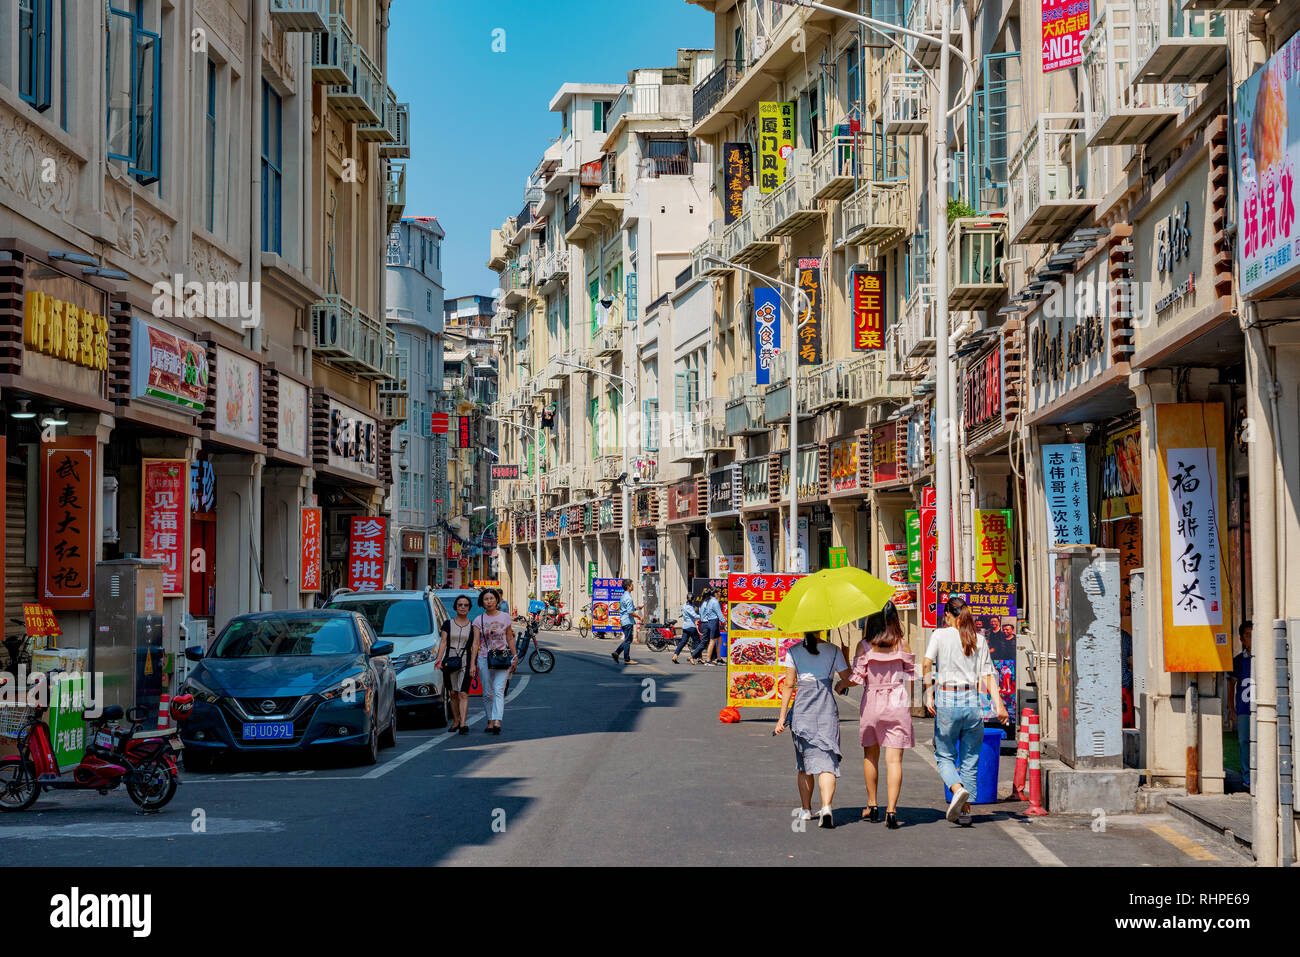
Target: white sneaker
804, 814
959, 798
825, 818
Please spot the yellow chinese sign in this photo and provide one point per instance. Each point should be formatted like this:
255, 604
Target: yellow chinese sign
65, 331
994, 557
775, 141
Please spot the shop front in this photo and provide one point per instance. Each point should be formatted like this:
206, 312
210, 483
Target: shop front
687, 548
347, 459
764, 549
646, 504
286, 485
816, 537
726, 543
414, 559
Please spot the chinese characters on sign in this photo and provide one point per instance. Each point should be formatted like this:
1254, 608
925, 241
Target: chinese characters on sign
165, 519
1065, 475
896, 566
913, 545
65, 331
884, 453
311, 550
738, 176
1065, 23
463, 432
993, 545
40, 622
868, 311
929, 566
505, 472
838, 558
605, 596
167, 368
767, 332
1193, 534
983, 392
353, 440
809, 337
366, 553
68, 516
775, 141
756, 652
844, 465
760, 543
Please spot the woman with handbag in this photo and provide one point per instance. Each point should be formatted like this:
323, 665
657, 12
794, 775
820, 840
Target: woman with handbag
494, 659
453, 658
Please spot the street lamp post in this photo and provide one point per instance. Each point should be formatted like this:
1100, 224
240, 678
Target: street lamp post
537, 492
792, 533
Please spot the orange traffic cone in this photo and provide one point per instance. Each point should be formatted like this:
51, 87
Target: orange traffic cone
164, 712
1022, 759
1035, 808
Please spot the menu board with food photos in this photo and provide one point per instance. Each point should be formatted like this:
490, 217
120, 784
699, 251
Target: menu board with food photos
756, 657
605, 596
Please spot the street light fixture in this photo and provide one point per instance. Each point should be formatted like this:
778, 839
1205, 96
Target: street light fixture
537, 490
792, 533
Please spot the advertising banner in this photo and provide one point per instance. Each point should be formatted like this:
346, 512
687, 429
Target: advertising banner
67, 723
167, 368
719, 586
165, 519
984, 598
993, 545
913, 546
929, 585
801, 550
884, 453
1121, 475
239, 396
464, 440
868, 311
809, 338
505, 472
993, 606
550, 578
844, 465
605, 596
649, 555
775, 141
367, 541
724, 565
753, 482
591, 577
67, 522
738, 176
312, 555
838, 558
1065, 22
1195, 600
756, 657
896, 569
758, 531
767, 332
1065, 479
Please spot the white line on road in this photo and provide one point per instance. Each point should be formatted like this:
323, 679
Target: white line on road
175, 827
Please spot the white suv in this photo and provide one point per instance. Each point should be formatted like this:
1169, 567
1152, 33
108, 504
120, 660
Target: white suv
412, 621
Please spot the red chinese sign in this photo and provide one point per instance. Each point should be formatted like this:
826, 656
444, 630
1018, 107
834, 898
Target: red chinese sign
40, 621
463, 433
983, 398
165, 518
1065, 22
68, 516
884, 453
868, 311
311, 549
439, 423
366, 553
929, 560
176, 369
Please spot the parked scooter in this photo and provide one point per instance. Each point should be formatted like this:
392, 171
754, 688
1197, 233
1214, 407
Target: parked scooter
659, 635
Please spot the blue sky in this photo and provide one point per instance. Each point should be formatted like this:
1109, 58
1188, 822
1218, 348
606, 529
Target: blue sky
479, 119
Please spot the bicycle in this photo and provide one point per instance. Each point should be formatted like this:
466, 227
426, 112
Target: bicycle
584, 622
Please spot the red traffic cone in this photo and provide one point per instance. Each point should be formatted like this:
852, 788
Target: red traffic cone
1035, 808
1022, 759
164, 712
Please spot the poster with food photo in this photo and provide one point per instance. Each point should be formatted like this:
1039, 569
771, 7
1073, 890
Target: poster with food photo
756, 658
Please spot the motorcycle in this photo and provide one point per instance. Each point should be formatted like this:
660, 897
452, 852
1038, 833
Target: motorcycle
539, 659
659, 635
556, 618
145, 761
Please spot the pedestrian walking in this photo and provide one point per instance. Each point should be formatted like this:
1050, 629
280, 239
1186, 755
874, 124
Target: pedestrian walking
885, 669
959, 655
494, 659
690, 629
626, 613
1240, 695
815, 720
710, 623
453, 658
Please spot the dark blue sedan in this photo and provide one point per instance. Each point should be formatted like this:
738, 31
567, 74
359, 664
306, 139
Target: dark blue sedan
285, 681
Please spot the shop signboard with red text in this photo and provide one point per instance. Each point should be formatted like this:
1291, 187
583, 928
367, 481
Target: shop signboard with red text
165, 519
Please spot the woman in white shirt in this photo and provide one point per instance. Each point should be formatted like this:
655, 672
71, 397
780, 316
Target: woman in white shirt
960, 656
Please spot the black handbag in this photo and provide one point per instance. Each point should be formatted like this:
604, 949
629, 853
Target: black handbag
498, 659
453, 662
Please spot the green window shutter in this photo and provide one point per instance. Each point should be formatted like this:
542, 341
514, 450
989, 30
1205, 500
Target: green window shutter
593, 296
632, 313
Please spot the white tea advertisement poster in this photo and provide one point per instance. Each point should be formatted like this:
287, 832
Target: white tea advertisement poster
1195, 567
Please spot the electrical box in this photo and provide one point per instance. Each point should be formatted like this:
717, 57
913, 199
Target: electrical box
127, 647
1085, 618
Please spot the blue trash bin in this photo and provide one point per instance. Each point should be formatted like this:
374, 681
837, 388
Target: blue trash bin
986, 775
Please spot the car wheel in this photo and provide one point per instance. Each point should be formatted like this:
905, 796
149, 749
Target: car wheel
389, 737
370, 750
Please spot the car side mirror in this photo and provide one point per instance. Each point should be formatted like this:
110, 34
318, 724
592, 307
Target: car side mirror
381, 649
194, 653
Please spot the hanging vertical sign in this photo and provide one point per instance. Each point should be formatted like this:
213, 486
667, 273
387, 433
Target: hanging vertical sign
809, 334
884, 453
1065, 479
993, 552
913, 545
165, 519
439, 423
738, 176
775, 141
760, 544
767, 332
801, 547
838, 558
1191, 461
366, 552
1065, 22
311, 550
868, 311
68, 516
929, 586
463, 432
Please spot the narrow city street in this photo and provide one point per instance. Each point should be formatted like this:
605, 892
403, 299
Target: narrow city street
598, 764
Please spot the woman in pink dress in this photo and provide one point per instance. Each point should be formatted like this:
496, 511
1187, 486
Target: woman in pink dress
885, 669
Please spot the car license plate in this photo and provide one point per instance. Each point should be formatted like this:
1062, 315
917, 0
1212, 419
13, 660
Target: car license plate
268, 730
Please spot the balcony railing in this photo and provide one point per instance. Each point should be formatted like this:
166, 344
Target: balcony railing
976, 249
710, 91
701, 263
395, 193
348, 338
747, 239
745, 416
744, 385
331, 60
636, 99
826, 386
866, 380
1178, 46
918, 322
608, 340
1121, 112
839, 165
776, 402
925, 16
360, 98
393, 407
703, 430
301, 16
905, 104
899, 369
553, 266
1049, 189
397, 118
878, 214
609, 465
384, 130
791, 206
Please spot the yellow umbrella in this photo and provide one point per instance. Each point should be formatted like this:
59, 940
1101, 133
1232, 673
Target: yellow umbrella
830, 598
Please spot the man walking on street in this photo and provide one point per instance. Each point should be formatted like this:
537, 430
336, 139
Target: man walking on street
626, 613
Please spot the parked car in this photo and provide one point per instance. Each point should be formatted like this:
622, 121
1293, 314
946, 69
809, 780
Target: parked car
412, 621
283, 681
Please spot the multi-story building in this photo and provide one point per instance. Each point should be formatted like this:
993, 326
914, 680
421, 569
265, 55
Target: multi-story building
468, 320
415, 313
194, 199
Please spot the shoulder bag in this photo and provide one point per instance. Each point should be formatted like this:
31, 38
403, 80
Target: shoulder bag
499, 658
457, 661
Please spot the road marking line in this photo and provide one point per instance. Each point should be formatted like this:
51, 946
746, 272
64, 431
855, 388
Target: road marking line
1182, 842
117, 830
401, 759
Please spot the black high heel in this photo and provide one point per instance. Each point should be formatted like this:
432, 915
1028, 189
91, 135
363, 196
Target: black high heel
891, 820
873, 814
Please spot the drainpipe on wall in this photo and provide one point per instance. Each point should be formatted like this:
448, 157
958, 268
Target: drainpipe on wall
254, 337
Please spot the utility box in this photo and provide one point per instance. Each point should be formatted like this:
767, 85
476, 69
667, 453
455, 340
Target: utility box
1085, 617
127, 646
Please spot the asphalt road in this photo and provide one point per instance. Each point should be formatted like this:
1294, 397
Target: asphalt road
598, 764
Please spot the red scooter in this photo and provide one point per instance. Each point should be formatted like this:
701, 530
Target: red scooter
145, 761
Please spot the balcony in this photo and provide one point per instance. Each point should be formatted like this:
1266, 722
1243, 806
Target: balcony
1121, 112
1229, 4
331, 54
925, 17
866, 380
917, 323
709, 92
582, 479
514, 287
905, 104
596, 213
1178, 46
393, 408
608, 466
608, 340
397, 118
701, 264
1049, 194
348, 338
878, 214
360, 98
746, 240
898, 369
745, 416
553, 267
791, 206
825, 387
395, 193
976, 248
702, 431
301, 16
503, 321
839, 165
776, 402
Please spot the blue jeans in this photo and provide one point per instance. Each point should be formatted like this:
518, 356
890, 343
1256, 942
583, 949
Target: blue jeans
625, 648
958, 737
1243, 747
688, 634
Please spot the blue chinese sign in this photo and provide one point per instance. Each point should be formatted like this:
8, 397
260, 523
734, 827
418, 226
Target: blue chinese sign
767, 332
605, 596
1065, 482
